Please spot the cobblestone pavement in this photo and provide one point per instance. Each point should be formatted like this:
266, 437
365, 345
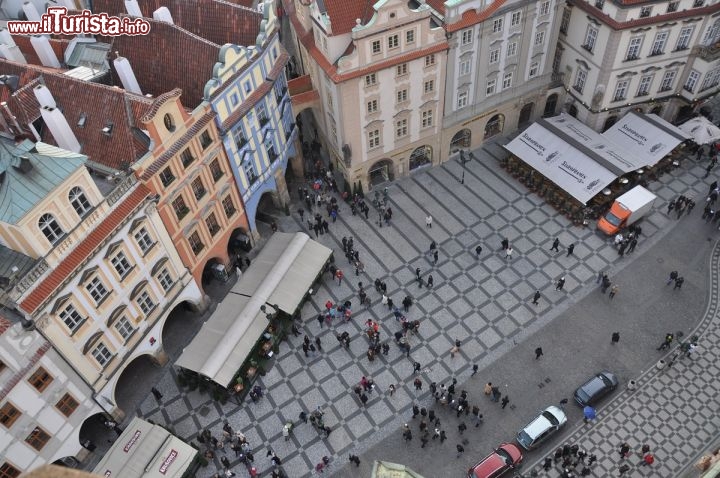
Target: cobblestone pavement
483, 302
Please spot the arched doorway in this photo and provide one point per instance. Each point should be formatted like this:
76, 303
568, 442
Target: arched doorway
611, 120
461, 140
422, 156
381, 172
239, 242
268, 210
214, 270
182, 322
525, 114
573, 111
656, 110
550, 105
95, 433
686, 112
133, 385
494, 126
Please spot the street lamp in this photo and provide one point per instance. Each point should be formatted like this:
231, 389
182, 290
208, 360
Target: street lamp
464, 161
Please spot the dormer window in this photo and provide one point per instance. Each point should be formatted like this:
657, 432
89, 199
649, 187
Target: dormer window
79, 201
169, 122
50, 228
108, 129
83, 119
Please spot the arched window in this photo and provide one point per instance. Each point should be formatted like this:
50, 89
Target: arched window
79, 201
49, 226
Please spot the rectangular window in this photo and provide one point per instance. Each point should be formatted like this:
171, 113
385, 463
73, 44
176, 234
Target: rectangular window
373, 139
427, 118
429, 86
494, 56
212, 224
621, 90
247, 86
490, 87
712, 78
180, 207
507, 80
668, 80
590, 38
401, 70
228, 206
465, 67
121, 264
101, 354
633, 51
691, 81
165, 280
186, 157
672, 7
234, 100
430, 60
9, 414
644, 86
658, 47
371, 79
511, 49
401, 128
565, 22
166, 177
683, 41
205, 139
467, 36
124, 327
580, 79
534, 67
37, 438
515, 19
71, 318
402, 95
645, 12
539, 38
462, 99
372, 106
198, 188
497, 25
40, 379
97, 290
216, 170
410, 36
145, 302
67, 405
143, 239
544, 8
196, 243
393, 41
8, 471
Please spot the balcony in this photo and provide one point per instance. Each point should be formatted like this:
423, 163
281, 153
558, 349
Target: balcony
708, 52
588, 47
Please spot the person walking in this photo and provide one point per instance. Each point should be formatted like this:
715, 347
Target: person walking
648, 459
679, 282
318, 343
428, 221
536, 297
354, 459
339, 276
156, 393
615, 338
570, 249
416, 367
435, 256
666, 343
462, 427
673, 276
475, 370
505, 243
391, 389
555, 245
613, 290
478, 250
504, 402
538, 353
460, 450
508, 253
560, 283
418, 384
430, 281
624, 451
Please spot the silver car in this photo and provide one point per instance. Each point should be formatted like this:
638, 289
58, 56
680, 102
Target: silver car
544, 425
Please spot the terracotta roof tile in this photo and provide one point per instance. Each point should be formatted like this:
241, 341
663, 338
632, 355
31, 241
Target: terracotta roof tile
473, 17
616, 25
23, 42
437, 5
84, 250
343, 14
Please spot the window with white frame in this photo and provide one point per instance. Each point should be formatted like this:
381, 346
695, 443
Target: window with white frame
79, 201
212, 224
373, 138
515, 18
511, 49
672, 7
402, 95
691, 81
401, 128
430, 60
683, 41
101, 354
580, 78
545, 8
534, 67
633, 51
712, 78
429, 86
165, 279
393, 41
124, 327
590, 38
507, 80
658, 47
466, 36
668, 80
621, 90
121, 264
462, 99
401, 70
427, 118
145, 302
644, 86
410, 36
97, 290
372, 106
50, 228
494, 56
712, 34
371, 79
71, 318
497, 25
464, 67
539, 38
490, 87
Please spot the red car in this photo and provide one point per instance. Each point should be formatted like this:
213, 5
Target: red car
506, 457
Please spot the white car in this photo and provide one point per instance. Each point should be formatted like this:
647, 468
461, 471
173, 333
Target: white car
550, 420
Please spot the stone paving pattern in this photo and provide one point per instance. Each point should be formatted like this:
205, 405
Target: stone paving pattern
485, 303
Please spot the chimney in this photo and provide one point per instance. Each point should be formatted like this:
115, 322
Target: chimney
44, 51
6, 38
162, 14
60, 129
8, 49
44, 96
31, 12
126, 74
133, 9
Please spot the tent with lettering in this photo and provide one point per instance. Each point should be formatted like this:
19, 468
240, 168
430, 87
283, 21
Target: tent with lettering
145, 450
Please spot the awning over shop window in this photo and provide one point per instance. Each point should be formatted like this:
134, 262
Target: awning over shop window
568, 167
145, 450
281, 275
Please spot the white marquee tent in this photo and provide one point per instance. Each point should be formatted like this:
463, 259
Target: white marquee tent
702, 130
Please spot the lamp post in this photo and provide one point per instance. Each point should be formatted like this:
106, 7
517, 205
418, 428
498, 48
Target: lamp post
464, 161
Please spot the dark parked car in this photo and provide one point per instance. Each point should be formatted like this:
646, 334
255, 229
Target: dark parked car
505, 458
596, 388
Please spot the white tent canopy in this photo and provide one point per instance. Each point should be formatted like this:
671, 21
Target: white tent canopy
568, 167
145, 450
281, 275
702, 130
644, 139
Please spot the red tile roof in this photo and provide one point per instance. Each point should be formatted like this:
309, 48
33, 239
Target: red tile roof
44, 290
437, 5
23, 42
473, 17
616, 25
343, 14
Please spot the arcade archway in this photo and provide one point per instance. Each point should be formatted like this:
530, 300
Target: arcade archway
494, 126
611, 120
550, 105
422, 156
381, 172
461, 140
525, 114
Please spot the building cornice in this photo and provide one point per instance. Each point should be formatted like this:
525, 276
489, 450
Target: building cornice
639, 22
